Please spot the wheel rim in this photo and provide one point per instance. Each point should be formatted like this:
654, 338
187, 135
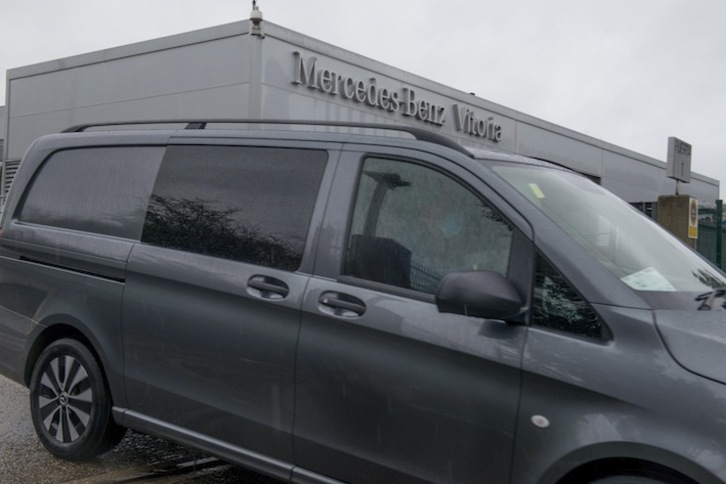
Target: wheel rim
65, 399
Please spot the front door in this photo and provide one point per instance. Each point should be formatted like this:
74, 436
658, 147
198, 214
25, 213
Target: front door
388, 388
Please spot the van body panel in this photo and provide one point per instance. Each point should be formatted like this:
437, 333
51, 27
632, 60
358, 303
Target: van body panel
578, 386
18, 332
696, 339
404, 393
59, 277
203, 353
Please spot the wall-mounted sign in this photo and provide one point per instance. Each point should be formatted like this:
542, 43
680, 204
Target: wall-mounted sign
693, 218
404, 101
679, 160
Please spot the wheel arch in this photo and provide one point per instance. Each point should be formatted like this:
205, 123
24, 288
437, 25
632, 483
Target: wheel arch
64, 326
627, 458
619, 466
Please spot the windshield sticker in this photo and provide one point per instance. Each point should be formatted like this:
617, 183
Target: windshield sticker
649, 279
536, 190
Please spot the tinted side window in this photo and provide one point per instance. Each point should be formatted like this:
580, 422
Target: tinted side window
242, 203
101, 190
558, 306
412, 225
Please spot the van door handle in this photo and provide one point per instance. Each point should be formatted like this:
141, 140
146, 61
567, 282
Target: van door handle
339, 304
266, 287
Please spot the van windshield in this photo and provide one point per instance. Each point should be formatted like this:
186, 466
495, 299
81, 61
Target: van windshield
635, 248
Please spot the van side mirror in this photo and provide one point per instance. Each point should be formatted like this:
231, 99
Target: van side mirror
485, 294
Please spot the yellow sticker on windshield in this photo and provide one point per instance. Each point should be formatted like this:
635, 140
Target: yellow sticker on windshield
536, 190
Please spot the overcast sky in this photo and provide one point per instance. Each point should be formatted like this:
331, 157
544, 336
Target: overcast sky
630, 72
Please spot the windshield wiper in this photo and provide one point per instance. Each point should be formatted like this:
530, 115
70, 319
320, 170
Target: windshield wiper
709, 297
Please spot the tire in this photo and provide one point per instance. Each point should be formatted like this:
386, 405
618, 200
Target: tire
625, 479
70, 403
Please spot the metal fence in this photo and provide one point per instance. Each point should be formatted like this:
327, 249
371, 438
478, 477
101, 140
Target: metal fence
711, 233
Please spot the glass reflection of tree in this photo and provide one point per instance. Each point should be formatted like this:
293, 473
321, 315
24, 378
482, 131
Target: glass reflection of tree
195, 226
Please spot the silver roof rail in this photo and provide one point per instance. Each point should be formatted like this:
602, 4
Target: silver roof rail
417, 133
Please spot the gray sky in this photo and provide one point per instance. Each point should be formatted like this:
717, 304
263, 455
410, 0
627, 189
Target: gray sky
630, 72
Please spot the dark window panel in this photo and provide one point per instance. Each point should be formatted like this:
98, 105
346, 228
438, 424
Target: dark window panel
246, 204
100, 190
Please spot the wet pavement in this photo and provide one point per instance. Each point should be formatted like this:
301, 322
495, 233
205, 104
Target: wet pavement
138, 458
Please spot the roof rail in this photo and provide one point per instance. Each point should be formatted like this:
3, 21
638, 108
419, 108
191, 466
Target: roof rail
417, 133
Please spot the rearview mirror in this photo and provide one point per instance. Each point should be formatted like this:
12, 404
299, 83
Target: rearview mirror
485, 294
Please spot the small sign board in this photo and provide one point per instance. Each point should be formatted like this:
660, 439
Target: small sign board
679, 160
693, 218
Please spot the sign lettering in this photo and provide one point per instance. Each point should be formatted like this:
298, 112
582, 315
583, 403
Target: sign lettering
405, 101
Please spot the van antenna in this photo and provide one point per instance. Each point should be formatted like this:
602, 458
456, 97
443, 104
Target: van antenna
256, 18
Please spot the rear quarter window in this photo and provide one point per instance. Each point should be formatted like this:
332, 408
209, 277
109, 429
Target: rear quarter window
102, 190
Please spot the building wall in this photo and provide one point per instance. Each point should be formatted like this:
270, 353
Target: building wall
224, 72
287, 93
3, 127
187, 76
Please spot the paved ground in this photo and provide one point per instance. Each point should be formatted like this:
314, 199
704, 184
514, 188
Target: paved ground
138, 458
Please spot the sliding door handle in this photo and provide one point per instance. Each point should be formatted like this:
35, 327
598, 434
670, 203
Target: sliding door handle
266, 287
343, 305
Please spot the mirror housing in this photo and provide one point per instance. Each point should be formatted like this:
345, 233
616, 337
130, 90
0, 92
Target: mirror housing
485, 294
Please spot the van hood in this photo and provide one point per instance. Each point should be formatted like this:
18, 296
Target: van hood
696, 339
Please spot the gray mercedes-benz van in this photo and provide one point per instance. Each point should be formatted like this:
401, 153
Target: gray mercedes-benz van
358, 307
